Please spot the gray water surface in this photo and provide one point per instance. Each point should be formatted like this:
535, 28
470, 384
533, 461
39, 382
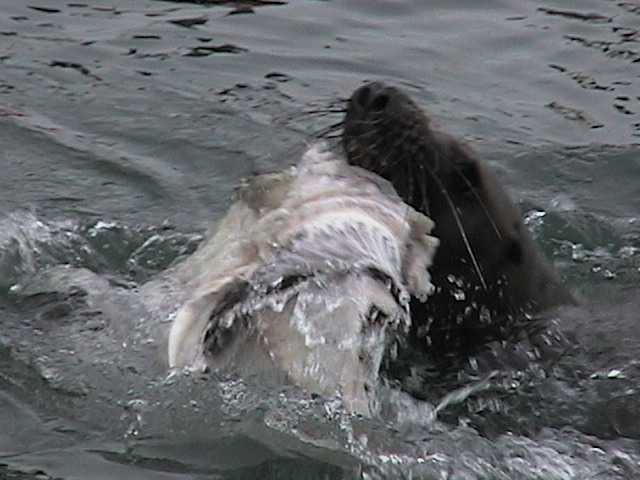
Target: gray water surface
124, 131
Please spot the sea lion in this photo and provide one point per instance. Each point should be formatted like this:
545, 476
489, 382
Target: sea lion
488, 272
309, 274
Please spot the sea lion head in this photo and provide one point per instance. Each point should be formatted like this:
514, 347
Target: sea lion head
487, 271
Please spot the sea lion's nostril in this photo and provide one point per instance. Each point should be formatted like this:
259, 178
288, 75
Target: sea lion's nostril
379, 102
372, 97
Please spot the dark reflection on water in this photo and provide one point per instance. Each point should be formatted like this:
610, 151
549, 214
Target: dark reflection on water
126, 126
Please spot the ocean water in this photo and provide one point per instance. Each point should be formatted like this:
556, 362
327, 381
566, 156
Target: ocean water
125, 126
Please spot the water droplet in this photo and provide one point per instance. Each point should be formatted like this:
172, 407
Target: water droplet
133, 413
615, 373
534, 217
473, 362
578, 252
459, 295
628, 251
485, 315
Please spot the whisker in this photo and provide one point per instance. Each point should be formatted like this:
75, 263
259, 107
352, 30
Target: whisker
423, 188
364, 138
479, 199
330, 129
324, 111
369, 123
463, 234
372, 147
409, 183
332, 137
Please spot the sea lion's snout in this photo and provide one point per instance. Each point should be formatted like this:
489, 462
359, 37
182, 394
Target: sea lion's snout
379, 119
375, 100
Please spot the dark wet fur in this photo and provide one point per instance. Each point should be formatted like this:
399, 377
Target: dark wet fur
486, 254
